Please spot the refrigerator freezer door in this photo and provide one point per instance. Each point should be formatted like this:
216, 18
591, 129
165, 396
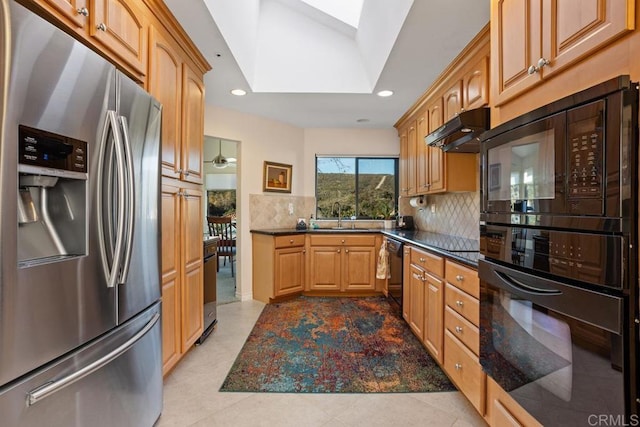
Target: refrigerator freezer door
124, 391
140, 116
57, 85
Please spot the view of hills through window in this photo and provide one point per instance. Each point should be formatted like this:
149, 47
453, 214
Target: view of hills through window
364, 187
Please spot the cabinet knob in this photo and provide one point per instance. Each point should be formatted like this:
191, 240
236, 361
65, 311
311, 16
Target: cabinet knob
458, 366
543, 62
179, 171
532, 70
422, 260
83, 11
342, 240
290, 240
338, 251
186, 173
459, 278
304, 251
101, 27
460, 303
346, 251
459, 329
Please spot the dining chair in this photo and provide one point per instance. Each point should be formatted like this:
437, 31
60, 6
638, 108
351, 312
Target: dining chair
223, 228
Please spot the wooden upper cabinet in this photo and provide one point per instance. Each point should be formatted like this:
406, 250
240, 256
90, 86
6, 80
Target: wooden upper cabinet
436, 116
412, 155
74, 13
403, 163
422, 154
192, 125
515, 46
534, 39
119, 25
475, 85
574, 29
452, 100
165, 84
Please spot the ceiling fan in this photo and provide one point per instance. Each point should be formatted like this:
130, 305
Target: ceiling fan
219, 161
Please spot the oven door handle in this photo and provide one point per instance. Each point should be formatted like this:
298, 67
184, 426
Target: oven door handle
524, 287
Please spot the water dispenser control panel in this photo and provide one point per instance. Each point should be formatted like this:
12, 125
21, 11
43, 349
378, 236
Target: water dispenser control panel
49, 150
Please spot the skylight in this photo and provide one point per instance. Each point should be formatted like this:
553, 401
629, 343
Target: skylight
347, 11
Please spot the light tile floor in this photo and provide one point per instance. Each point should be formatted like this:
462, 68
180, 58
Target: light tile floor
191, 396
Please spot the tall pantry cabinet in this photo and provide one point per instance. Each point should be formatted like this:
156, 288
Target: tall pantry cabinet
175, 79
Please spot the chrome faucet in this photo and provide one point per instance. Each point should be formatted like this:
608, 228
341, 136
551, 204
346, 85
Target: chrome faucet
339, 213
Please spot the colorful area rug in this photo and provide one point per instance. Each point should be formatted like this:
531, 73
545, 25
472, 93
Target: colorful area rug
333, 345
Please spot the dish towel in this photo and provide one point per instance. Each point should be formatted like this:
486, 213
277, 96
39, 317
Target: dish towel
382, 270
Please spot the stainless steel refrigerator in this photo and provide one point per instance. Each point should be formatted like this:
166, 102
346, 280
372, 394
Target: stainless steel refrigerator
80, 336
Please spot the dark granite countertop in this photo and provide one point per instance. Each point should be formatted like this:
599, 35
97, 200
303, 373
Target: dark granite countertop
456, 248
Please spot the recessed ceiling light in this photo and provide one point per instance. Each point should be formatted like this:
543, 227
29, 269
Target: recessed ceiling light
385, 93
239, 92
362, 120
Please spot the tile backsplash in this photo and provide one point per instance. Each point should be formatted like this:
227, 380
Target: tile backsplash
272, 211
456, 214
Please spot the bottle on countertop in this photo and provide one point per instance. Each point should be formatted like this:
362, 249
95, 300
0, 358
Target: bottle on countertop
312, 223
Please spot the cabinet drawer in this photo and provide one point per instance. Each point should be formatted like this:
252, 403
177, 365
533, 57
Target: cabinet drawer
430, 262
210, 249
343, 240
463, 303
465, 371
463, 277
289, 241
462, 329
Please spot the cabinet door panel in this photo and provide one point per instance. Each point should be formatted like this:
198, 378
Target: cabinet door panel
411, 159
289, 271
436, 115
192, 126
434, 323
192, 306
119, 26
171, 329
422, 161
325, 268
453, 101
475, 85
67, 11
192, 223
416, 302
165, 84
574, 29
515, 46
404, 163
359, 268
436, 170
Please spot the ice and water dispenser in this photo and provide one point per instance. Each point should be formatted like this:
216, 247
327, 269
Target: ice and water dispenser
52, 197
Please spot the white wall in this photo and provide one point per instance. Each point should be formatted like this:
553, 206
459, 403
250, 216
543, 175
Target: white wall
264, 139
260, 139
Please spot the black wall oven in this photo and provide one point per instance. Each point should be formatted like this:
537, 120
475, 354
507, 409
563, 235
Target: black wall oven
558, 237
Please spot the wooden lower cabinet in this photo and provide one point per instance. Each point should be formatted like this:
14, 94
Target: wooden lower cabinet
433, 329
463, 367
425, 300
278, 265
416, 301
503, 411
182, 270
343, 263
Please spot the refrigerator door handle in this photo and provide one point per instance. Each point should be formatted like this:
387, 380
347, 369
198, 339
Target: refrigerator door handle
130, 205
111, 272
51, 387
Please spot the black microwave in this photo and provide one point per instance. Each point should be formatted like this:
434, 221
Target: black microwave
569, 164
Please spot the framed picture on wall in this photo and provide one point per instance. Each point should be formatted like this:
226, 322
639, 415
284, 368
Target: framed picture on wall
276, 177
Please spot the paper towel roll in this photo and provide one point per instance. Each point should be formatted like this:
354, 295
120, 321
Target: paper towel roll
418, 202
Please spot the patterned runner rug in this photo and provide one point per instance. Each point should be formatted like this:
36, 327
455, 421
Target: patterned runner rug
333, 345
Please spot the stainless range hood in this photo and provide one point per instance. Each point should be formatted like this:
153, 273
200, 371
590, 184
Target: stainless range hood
460, 134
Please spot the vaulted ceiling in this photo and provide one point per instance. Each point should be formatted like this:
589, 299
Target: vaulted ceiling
317, 63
